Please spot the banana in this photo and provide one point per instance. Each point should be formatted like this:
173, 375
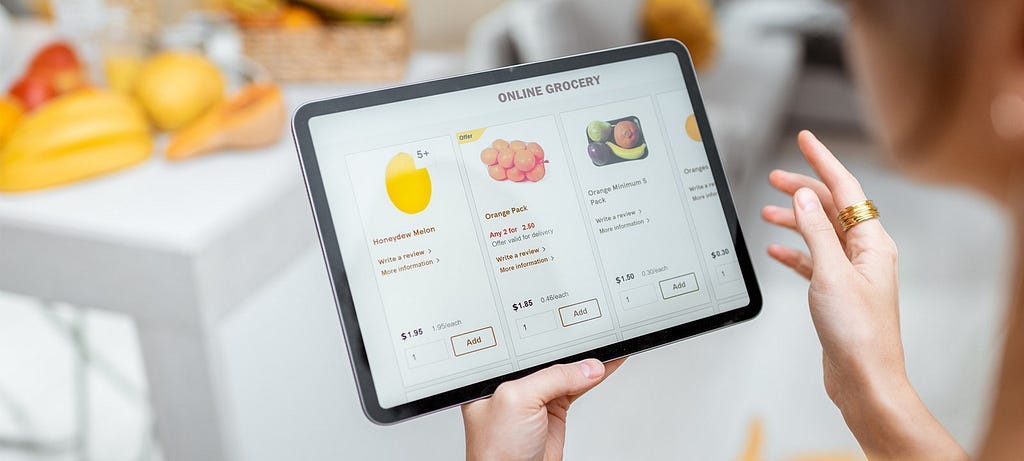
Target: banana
255, 7
80, 135
10, 117
628, 154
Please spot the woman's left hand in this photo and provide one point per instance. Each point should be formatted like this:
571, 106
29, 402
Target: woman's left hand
525, 418
854, 305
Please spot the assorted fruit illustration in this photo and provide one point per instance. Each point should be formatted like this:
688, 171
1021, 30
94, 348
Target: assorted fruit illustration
516, 161
615, 141
408, 187
57, 127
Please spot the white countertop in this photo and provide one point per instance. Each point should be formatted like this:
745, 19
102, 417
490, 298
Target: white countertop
137, 240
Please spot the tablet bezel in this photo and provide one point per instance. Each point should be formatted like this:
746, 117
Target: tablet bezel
336, 268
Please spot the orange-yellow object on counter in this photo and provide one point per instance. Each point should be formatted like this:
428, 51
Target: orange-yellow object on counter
122, 71
256, 13
752, 452
689, 21
253, 117
10, 115
755, 441
255, 7
177, 87
359, 9
299, 18
80, 135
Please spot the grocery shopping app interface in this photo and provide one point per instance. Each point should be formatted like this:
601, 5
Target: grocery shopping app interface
496, 228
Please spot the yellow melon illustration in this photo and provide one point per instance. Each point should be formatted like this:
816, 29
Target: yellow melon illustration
408, 187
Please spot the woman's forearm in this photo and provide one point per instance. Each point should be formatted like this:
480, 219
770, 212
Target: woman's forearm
1004, 440
892, 423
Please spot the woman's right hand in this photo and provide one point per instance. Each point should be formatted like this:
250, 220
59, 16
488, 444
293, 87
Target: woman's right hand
854, 306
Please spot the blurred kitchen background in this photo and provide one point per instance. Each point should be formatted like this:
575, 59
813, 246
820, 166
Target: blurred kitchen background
162, 294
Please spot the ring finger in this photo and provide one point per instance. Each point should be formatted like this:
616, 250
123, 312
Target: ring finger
782, 217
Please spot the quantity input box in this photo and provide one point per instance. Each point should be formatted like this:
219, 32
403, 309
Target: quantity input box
537, 324
426, 354
639, 296
728, 272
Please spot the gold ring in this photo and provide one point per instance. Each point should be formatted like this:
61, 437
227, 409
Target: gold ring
856, 214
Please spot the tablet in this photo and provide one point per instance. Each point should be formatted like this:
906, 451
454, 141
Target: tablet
481, 227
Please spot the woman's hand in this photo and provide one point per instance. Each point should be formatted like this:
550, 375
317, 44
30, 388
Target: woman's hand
854, 306
525, 418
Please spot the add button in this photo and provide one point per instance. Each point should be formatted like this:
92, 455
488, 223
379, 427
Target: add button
579, 312
678, 286
473, 341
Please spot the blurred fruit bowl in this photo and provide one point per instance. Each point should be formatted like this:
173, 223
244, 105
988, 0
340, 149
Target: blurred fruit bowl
56, 127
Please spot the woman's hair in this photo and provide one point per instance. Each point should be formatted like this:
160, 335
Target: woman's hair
929, 36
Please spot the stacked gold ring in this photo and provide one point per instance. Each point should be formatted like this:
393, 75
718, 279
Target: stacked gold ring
856, 214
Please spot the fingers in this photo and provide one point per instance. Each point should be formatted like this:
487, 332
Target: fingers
609, 368
788, 183
826, 252
793, 259
779, 216
843, 185
555, 381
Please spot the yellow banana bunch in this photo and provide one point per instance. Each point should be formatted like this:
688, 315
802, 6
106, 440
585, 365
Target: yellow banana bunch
81, 135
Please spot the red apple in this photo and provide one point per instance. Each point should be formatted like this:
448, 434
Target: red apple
33, 91
55, 56
58, 63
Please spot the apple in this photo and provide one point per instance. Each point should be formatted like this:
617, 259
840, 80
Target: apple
58, 63
33, 91
56, 56
54, 70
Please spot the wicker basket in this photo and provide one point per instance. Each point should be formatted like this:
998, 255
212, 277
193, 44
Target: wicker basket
144, 16
339, 51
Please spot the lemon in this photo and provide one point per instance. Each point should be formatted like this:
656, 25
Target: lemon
176, 87
122, 71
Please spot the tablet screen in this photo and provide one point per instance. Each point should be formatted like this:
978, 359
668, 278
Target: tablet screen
492, 229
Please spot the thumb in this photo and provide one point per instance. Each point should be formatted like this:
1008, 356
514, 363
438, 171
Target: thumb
560, 381
817, 230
